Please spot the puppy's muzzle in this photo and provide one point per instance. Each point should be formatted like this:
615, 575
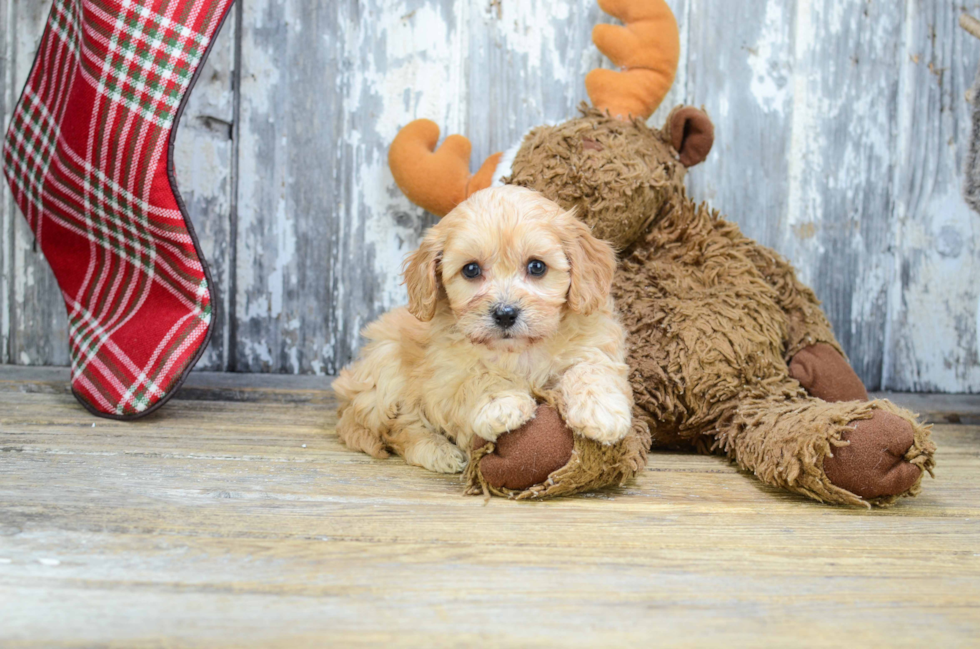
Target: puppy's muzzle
505, 316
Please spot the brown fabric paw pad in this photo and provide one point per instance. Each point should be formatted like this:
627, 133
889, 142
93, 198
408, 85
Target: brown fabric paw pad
873, 464
527, 456
825, 374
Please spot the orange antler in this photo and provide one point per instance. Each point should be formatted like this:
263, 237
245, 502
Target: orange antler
647, 49
436, 180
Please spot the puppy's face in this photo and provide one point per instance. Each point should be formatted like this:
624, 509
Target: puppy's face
509, 263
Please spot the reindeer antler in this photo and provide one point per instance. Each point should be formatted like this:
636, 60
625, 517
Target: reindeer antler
436, 180
647, 49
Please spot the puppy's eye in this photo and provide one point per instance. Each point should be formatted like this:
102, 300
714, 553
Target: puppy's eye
536, 268
472, 270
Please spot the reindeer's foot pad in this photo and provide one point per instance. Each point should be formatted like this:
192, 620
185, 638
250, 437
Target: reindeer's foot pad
528, 455
875, 463
545, 459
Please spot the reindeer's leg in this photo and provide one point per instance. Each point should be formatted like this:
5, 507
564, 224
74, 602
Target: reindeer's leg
854, 453
807, 324
811, 351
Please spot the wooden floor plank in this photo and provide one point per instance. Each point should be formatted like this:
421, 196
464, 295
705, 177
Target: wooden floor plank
236, 516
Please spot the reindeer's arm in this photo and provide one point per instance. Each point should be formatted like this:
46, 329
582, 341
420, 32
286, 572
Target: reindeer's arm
811, 350
806, 322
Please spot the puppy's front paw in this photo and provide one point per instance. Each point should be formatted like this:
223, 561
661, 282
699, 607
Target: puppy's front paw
438, 455
604, 418
505, 412
449, 459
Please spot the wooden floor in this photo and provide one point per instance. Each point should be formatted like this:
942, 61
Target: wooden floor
233, 516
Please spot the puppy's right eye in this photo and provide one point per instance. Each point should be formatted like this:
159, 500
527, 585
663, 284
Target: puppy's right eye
472, 270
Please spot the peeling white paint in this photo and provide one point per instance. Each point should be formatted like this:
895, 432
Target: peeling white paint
937, 326
392, 242
977, 322
419, 47
257, 349
876, 274
412, 67
770, 69
529, 29
397, 60
263, 70
804, 134
279, 281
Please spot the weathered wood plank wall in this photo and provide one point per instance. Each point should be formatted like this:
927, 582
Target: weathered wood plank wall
841, 131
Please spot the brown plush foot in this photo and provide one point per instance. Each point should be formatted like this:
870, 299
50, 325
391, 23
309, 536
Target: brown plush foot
873, 465
825, 374
527, 456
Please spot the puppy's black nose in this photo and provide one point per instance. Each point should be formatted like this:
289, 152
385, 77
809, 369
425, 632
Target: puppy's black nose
505, 316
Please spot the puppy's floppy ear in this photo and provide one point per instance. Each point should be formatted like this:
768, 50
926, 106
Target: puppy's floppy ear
593, 263
422, 276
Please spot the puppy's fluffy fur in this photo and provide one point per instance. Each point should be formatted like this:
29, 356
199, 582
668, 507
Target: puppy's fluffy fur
445, 370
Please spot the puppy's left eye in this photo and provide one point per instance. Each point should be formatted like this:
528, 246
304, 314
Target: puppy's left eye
472, 270
536, 268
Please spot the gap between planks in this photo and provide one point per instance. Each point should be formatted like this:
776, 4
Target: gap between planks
288, 388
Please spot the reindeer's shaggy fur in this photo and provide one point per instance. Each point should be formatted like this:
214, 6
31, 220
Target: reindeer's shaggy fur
713, 318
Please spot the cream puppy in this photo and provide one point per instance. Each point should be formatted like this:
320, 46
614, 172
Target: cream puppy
509, 302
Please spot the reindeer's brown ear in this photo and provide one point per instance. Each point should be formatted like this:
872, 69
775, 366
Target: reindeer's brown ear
691, 133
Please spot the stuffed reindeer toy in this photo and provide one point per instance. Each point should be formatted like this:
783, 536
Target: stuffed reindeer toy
728, 352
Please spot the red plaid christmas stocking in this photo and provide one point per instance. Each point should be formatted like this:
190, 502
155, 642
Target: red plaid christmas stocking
89, 158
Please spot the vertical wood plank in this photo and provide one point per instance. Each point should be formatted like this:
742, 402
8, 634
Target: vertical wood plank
323, 228
742, 75
6, 202
934, 336
406, 60
805, 103
841, 160
38, 332
290, 198
680, 93
203, 162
